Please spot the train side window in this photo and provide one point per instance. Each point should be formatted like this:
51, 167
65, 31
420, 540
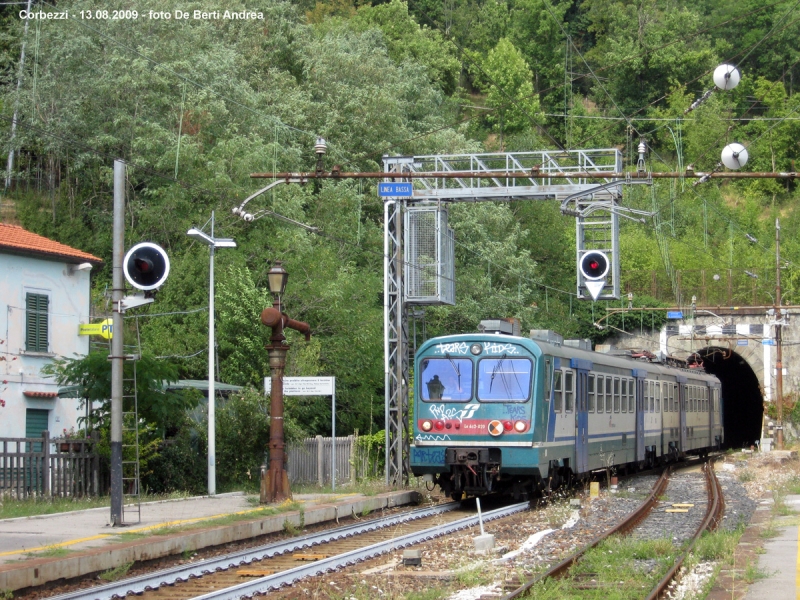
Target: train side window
631, 397
609, 396
673, 400
692, 399
705, 399
624, 394
569, 390
548, 378
557, 404
616, 394
590, 392
658, 396
665, 396
645, 395
601, 402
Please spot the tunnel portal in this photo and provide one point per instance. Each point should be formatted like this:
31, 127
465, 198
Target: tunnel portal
743, 406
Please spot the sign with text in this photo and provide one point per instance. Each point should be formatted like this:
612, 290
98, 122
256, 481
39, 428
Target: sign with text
304, 386
104, 329
404, 190
674, 314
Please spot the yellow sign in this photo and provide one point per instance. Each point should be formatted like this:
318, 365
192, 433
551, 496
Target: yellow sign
104, 329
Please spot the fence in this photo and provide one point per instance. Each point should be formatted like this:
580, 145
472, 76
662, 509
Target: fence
32, 467
310, 461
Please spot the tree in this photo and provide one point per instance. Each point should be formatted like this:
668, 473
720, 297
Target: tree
91, 376
506, 78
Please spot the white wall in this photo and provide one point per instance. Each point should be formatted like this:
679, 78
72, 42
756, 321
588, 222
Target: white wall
20, 371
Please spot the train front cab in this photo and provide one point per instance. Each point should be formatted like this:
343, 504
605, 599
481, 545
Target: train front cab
474, 421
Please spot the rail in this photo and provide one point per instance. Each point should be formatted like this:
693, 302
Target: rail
623, 526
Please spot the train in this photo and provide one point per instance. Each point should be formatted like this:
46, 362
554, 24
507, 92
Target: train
496, 412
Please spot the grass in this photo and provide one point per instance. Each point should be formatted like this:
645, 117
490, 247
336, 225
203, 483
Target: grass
49, 552
474, 576
621, 568
718, 545
31, 507
753, 573
116, 573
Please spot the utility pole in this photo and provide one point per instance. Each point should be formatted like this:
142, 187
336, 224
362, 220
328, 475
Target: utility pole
117, 348
778, 335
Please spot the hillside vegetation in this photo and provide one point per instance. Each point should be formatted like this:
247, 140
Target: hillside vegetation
195, 106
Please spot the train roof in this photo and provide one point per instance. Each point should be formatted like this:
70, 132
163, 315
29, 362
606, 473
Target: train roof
560, 350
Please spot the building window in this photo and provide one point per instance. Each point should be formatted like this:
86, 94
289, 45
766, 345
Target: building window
36, 306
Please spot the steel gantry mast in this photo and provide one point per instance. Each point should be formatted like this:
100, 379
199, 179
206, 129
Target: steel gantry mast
437, 179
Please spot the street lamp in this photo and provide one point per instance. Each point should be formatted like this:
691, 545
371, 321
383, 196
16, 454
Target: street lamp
276, 486
212, 243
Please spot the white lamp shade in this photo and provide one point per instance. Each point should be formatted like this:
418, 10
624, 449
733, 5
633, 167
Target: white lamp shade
726, 77
734, 156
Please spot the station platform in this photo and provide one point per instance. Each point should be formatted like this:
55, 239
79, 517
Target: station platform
43, 549
766, 563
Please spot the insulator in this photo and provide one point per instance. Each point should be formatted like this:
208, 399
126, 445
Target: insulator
321, 147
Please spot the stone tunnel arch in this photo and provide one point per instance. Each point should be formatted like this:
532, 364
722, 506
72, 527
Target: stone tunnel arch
743, 401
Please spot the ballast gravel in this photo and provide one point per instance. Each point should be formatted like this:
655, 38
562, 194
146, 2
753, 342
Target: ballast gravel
534, 540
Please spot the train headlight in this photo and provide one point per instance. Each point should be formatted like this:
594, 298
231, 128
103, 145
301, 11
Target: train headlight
507, 425
439, 425
520, 426
427, 425
476, 349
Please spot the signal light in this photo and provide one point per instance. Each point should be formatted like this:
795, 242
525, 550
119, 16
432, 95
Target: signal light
146, 266
594, 265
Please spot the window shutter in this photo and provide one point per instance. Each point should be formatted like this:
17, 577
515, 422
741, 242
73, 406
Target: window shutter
36, 309
44, 306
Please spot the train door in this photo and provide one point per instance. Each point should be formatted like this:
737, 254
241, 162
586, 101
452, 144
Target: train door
683, 405
581, 419
640, 374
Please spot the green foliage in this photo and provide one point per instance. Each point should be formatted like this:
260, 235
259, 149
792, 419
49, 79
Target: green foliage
180, 464
505, 77
242, 438
91, 376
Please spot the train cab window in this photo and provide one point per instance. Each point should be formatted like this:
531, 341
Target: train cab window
504, 379
657, 386
448, 379
609, 396
558, 403
631, 397
616, 394
590, 392
569, 390
624, 395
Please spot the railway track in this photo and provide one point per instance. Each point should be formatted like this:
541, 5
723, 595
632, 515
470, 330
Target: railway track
283, 563
630, 526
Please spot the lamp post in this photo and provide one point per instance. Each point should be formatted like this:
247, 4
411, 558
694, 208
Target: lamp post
276, 486
212, 243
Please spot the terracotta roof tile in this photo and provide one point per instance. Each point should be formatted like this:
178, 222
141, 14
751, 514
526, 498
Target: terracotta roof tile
17, 239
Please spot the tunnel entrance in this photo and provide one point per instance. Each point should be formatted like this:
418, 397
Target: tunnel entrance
743, 402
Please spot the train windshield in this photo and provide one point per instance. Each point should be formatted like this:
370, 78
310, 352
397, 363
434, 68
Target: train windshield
446, 379
504, 379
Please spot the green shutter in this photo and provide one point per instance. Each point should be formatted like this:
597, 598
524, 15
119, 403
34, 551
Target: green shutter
36, 307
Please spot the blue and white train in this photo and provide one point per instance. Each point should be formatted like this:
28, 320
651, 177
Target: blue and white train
502, 413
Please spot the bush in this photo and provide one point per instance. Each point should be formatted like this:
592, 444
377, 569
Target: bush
180, 464
242, 438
